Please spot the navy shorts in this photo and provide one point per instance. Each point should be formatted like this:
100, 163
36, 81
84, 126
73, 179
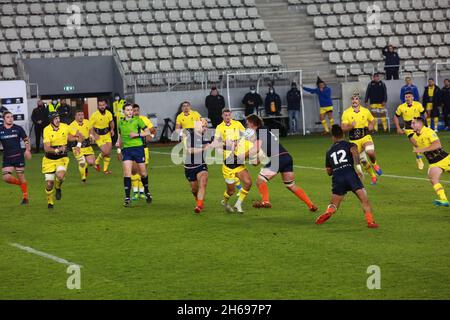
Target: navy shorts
136, 154
282, 164
16, 162
191, 173
349, 181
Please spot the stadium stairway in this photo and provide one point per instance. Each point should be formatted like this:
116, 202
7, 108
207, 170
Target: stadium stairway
293, 31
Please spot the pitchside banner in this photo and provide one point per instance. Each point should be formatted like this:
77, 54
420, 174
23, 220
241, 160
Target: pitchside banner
13, 97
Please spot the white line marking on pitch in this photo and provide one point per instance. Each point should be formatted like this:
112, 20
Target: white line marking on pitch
44, 255
322, 169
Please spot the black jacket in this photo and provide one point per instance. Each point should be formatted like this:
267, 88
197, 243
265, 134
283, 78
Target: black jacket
376, 93
40, 114
273, 97
445, 95
215, 104
437, 98
65, 113
252, 100
293, 99
391, 59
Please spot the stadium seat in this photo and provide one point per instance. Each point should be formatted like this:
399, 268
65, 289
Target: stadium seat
341, 71
444, 52
193, 64
335, 57
149, 54
355, 69
249, 62
9, 73
340, 44
354, 44
275, 60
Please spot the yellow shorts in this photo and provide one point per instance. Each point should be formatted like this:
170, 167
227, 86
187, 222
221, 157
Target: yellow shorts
52, 166
360, 142
230, 174
147, 155
444, 164
376, 106
103, 139
429, 107
324, 110
88, 151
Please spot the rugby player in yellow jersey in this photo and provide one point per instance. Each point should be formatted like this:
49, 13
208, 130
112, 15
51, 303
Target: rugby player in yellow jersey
408, 111
359, 122
229, 136
103, 130
55, 161
136, 183
426, 141
187, 118
83, 152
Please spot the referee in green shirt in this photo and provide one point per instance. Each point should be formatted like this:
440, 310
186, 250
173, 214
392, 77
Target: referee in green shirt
130, 149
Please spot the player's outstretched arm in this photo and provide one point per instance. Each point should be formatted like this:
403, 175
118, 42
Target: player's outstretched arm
397, 125
435, 145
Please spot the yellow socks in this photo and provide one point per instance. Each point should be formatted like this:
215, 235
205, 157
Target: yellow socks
242, 195
376, 124
384, 123
99, 159
325, 125
82, 171
226, 197
429, 122
440, 192
106, 161
135, 179
436, 122
331, 122
58, 183
50, 196
370, 170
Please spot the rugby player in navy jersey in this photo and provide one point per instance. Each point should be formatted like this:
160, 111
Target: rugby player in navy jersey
195, 168
340, 164
267, 145
11, 136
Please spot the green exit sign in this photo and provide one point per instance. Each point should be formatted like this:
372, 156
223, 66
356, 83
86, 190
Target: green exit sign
69, 88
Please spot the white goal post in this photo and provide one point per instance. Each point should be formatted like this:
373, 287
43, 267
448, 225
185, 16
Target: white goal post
260, 75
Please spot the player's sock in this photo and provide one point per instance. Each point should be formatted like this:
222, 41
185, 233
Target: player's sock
376, 123
50, 196
370, 170
429, 122
135, 179
436, 122
325, 125
439, 189
145, 183
200, 203
58, 183
82, 171
141, 186
127, 187
384, 123
242, 195
106, 161
369, 217
99, 159
226, 197
331, 209
24, 188
331, 122
264, 191
301, 194
13, 180
195, 195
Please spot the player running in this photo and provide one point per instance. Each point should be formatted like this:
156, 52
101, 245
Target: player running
408, 111
228, 136
359, 122
426, 141
14, 156
195, 167
138, 187
130, 149
83, 151
103, 131
55, 161
278, 161
340, 163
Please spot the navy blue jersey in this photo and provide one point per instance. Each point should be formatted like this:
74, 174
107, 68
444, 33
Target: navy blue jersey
270, 142
10, 139
340, 158
197, 141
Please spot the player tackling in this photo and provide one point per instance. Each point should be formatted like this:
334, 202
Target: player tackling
426, 141
11, 136
340, 164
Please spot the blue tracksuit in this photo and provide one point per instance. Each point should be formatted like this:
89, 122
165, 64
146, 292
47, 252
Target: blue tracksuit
324, 96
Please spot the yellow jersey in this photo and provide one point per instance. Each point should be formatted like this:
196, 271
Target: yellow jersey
146, 121
423, 140
408, 113
188, 121
362, 118
56, 138
83, 128
100, 122
230, 132
430, 96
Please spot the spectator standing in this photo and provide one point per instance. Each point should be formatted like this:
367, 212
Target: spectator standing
391, 62
446, 101
65, 112
214, 103
39, 117
272, 102
323, 92
252, 101
431, 101
293, 102
409, 87
376, 98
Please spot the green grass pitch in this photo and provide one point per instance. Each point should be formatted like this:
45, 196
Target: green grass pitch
165, 251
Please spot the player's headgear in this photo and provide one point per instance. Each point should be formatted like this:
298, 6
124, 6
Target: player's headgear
52, 116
